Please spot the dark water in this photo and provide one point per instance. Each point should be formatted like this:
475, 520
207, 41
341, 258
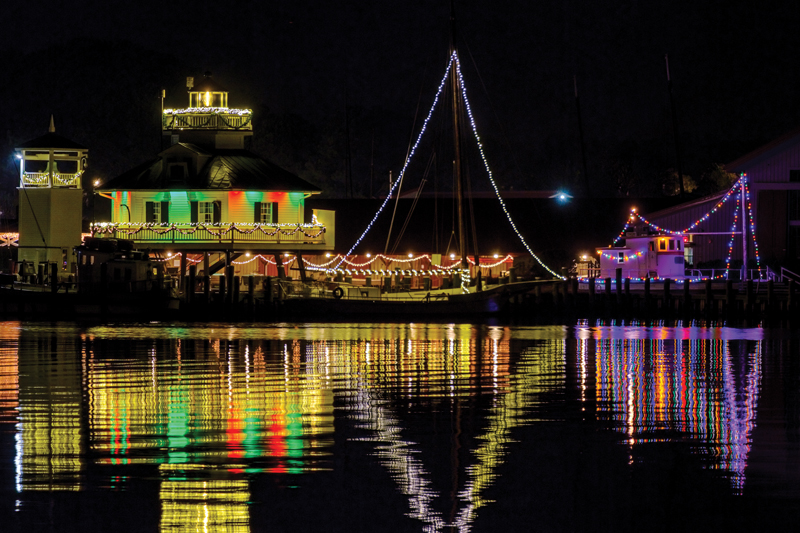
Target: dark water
397, 427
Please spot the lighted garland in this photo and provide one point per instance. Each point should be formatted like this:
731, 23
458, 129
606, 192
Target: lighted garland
179, 122
435, 270
489, 170
208, 110
216, 229
625, 257
742, 181
343, 260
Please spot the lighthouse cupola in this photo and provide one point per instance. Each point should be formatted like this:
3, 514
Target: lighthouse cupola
207, 93
208, 122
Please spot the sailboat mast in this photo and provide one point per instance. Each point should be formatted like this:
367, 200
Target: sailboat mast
457, 162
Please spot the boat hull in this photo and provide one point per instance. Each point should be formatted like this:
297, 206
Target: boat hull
488, 302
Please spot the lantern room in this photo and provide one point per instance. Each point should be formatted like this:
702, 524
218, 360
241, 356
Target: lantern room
207, 93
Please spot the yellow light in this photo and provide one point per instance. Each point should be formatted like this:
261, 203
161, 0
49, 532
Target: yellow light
96, 183
633, 209
285, 255
452, 256
247, 254
496, 256
328, 254
208, 99
410, 255
368, 255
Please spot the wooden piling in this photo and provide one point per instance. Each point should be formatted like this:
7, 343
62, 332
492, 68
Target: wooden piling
192, 283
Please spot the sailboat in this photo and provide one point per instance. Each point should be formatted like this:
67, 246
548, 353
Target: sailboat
468, 297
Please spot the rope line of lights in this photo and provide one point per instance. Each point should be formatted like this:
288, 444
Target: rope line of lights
733, 233
742, 181
741, 187
408, 159
752, 225
625, 227
489, 170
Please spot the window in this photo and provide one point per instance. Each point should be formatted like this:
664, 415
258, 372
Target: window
620, 257
177, 172
206, 212
652, 246
794, 176
671, 244
662, 245
266, 213
156, 212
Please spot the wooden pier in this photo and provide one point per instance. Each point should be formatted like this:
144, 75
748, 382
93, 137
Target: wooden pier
623, 298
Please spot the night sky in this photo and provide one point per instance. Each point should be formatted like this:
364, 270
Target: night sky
98, 66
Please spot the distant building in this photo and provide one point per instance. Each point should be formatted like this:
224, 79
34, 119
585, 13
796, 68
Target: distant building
773, 178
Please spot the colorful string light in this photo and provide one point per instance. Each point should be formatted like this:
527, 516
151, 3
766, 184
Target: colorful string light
742, 199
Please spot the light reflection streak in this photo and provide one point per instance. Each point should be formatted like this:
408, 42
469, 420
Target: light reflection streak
403, 457
268, 408
701, 388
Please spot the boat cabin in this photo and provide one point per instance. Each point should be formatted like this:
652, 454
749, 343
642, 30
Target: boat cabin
645, 256
113, 265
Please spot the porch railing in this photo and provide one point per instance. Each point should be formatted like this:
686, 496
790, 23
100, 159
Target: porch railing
225, 232
42, 179
210, 119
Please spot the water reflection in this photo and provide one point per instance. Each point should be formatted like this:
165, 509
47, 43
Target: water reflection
668, 384
208, 412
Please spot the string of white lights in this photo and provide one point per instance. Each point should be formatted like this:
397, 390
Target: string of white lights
408, 160
489, 171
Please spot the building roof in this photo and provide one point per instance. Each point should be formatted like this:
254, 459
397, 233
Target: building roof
685, 206
748, 160
231, 169
51, 140
208, 84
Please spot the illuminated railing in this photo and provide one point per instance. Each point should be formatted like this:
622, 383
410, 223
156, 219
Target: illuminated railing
207, 118
42, 179
224, 232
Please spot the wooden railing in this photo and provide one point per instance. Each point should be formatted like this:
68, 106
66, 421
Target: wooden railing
42, 179
207, 120
233, 232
